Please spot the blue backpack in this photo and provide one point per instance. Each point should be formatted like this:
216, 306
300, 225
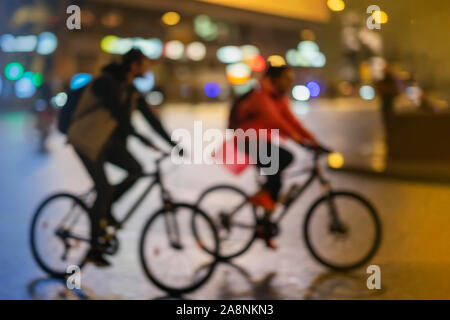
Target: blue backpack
66, 113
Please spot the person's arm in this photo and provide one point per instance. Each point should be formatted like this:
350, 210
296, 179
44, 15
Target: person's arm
153, 121
272, 116
290, 117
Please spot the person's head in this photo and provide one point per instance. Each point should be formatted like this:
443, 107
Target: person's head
282, 78
135, 63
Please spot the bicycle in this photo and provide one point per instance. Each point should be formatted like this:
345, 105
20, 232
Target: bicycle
237, 220
68, 237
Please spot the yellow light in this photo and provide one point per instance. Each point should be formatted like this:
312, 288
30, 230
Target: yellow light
108, 43
276, 61
335, 160
380, 16
171, 18
336, 5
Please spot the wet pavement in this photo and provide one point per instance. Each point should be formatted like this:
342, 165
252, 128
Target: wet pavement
413, 257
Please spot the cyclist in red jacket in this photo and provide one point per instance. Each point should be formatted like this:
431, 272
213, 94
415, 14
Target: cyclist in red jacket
268, 108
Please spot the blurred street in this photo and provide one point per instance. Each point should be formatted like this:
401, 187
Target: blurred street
414, 256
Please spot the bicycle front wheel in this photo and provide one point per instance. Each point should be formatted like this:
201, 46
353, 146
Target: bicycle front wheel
171, 256
342, 231
60, 234
234, 217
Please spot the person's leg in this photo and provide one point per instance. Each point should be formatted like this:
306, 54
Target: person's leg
273, 183
104, 196
268, 196
119, 155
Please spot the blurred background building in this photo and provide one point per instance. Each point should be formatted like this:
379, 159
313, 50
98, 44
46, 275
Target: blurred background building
210, 50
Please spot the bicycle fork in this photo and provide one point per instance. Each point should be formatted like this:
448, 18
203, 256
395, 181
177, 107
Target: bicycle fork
335, 225
172, 229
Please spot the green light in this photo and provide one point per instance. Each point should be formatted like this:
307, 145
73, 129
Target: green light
13, 71
37, 79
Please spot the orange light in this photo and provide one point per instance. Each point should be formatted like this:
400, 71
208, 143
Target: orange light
256, 63
236, 80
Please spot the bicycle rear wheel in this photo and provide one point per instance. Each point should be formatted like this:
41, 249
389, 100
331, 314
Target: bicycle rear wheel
171, 256
234, 217
60, 234
342, 231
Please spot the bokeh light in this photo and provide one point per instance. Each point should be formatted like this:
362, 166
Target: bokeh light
301, 93
319, 60
238, 73
367, 92
211, 89
308, 46
229, 54
47, 43
256, 63
336, 5
245, 87
205, 28
174, 50
112, 19
60, 99
9, 43
335, 160
24, 88
196, 51
307, 54
314, 88
80, 80
171, 18
13, 71
108, 43
276, 61
154, 98
249, 51
152, 48
380, 16
37, 79
146, 83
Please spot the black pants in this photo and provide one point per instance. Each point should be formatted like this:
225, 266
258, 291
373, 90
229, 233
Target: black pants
273, 181
115, 152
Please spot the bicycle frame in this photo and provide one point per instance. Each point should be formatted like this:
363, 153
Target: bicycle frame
315, 173
156, 181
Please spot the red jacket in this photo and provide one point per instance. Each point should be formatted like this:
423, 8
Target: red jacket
264, 109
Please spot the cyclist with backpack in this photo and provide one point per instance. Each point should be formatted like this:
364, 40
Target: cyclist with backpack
98, 129
267, 107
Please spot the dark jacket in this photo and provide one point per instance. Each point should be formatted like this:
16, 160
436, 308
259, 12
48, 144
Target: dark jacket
121, 100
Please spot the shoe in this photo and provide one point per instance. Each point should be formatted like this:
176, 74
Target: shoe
266, 232
96, 257
263, 199
269, 241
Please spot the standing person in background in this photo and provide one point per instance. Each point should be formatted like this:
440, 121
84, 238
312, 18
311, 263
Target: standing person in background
388, 90
44, 114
